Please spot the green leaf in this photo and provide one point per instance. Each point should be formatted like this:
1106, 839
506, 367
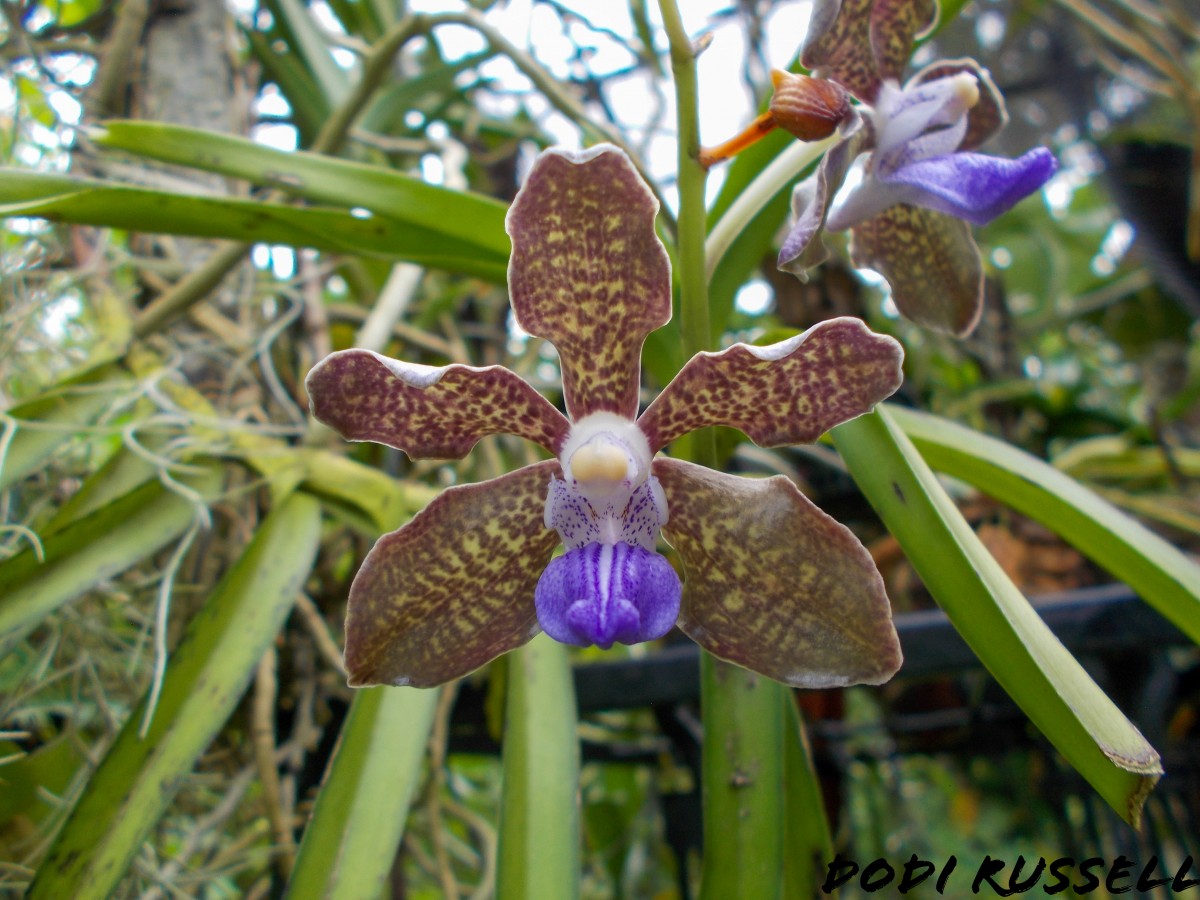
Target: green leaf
121, 474
755, 237
295, 82
350, 844
69, 13
208, 674
32, 779
359, 19
78, 402
301, 33
425, 91
471, 219
807, 839
996, 621
33, 101
745, 233
94, 549
82, 201
386, 502
538, 856
1156, 570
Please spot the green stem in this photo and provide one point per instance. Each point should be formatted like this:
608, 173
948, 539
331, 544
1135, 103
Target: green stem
539, 807
743, 783
190, 290
376, 68
743, 714
350, 844
693, 287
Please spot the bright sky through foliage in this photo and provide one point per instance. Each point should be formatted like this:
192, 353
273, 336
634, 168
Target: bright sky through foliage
726, 100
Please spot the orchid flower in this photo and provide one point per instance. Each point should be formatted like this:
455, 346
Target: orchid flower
923, 184
772, 583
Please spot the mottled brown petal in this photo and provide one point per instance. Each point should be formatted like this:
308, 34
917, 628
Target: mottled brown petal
429, 413
773, 584
987, 116
895, 26
452, 589
588, 273
788, 393
859, 43
838, 46
931, 262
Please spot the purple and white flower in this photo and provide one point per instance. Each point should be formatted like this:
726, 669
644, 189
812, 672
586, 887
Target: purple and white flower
923, 182
772, 583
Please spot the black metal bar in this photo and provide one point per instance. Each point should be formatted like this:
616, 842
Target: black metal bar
1104, 619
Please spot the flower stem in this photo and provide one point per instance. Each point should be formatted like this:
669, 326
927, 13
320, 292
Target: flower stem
748, 136
743, 714
693, 286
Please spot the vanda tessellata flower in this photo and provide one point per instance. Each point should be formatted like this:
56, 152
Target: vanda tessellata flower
923, 184
772, 583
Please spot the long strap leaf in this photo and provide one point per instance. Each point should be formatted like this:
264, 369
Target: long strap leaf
209, 671
1160, 573
320, 178
350, 845
998, 623
82, 201
24, 448
94, 548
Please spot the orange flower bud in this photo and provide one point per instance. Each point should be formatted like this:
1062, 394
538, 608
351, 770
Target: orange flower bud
810, 108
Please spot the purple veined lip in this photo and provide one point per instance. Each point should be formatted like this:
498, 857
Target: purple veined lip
604, 594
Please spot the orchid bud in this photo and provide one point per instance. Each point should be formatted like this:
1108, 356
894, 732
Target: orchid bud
810, 108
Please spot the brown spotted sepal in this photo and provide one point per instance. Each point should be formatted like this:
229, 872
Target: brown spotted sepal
588, 273
809, 108
930, 260
861, 43
452, 589
773, 584
429, 413
791, 392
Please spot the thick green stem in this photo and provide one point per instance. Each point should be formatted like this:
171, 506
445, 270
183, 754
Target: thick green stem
539, 808
743, 783
743, 714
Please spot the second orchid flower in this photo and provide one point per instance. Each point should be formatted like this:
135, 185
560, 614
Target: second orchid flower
923, 184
